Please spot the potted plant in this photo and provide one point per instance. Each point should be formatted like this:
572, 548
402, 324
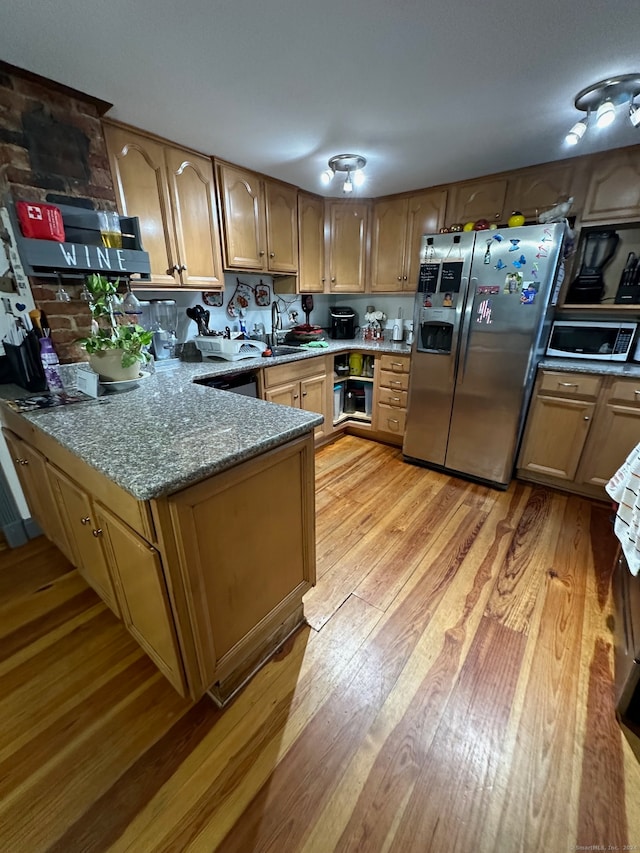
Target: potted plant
115, 350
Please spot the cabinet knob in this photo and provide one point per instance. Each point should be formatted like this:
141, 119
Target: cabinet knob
304, 393
174, 270
261, 254
404, 277
97, 532
399, 278
323, 280
85, 520
272, 254
587, 418
183, 268
295, 396
333, 278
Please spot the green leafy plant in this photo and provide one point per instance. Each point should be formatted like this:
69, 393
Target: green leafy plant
107, 333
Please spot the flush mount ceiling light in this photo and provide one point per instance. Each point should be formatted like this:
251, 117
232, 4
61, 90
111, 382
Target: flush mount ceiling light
605, 99
352, 164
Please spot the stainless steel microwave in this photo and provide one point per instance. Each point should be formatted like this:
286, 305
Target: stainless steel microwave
593, 339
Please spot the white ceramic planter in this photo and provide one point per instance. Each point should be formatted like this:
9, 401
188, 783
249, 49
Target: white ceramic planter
108, 364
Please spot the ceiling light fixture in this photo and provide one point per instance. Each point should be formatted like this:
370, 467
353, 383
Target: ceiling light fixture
604, 98
352, 164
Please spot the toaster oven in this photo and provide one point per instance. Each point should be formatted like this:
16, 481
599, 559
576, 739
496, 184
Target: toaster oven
592, 339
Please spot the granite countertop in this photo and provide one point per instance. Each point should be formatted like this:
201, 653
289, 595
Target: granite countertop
168, 432
602, 368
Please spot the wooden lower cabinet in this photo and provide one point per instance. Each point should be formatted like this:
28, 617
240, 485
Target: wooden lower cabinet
302, 385
141, 590
31, 468
245, 561
577, 443
210, 581
83, 529
390, 396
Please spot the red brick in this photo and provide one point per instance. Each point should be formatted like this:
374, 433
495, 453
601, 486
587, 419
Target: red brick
99, 161
68, 353
14, 102
42, 293
92, 191
25, 193
54, 308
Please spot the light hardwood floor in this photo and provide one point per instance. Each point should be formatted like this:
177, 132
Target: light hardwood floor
453, 691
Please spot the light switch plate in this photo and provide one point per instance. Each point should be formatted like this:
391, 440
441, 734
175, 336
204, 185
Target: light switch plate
88, 382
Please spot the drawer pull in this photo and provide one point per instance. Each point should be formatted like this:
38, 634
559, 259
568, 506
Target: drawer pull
85, 520
586, 418
393, 421
636, 392
569, 384
397, 384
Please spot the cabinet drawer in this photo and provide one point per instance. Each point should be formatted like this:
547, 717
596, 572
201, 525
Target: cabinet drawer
625, 390
294, 370
570, 384
390, 419
398, 399
394, 381
395, 363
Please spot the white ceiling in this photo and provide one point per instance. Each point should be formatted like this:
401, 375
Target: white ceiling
429, 92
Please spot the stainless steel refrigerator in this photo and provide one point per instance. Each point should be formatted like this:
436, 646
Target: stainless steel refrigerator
482, 318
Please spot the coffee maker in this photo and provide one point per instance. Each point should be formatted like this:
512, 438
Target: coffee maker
343, 323
588, 286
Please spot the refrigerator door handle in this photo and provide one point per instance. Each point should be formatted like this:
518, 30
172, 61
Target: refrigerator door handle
466, 327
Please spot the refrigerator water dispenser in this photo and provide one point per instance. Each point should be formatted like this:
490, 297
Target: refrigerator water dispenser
436, 336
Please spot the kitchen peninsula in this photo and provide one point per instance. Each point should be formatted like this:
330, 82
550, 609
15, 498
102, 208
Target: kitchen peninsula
189, 510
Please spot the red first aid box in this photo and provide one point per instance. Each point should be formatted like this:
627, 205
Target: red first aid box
40, 221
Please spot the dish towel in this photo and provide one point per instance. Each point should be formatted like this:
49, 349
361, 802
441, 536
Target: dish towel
624, 488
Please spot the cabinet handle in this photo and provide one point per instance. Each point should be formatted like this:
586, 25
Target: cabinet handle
395, 383
393, 421
22, 461
97, 532
396, 399
568, 384
636, 392
586, 418
85, 520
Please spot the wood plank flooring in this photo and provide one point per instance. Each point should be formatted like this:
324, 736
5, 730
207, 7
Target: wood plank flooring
452, 692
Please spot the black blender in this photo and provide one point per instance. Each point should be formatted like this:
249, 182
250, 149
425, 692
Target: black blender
588, 287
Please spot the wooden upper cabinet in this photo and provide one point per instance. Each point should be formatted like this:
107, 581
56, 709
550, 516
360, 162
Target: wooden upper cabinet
242, 203
281, 219
613, 193
171, 191
388, 244
425, 215
140, 181
347, 246
398, 226
472, 200
311, 259
196, 219
260, 222
533, 190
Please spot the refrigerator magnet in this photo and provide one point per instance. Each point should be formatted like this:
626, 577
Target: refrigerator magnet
514, 245
484, 311
491, 289
512, 282
528, 296
500, 265
520, 262
447, 300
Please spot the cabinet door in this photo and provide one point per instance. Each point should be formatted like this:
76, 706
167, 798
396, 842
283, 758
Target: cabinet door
533, 190
86, 534
313, 397
615, 432
311, 241
32, 472
140, 182
613, 194
142, 593
242, 204
555, 436
195, 219
475, 200
285, 395
281, 217
388, 244
425, 215
347, 246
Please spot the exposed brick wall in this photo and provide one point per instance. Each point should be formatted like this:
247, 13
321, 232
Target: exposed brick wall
52, 148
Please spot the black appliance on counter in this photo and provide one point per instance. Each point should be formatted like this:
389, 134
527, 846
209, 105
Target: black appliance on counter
343, 323
588, 286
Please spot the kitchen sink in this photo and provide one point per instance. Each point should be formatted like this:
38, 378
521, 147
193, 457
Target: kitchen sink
282, 349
